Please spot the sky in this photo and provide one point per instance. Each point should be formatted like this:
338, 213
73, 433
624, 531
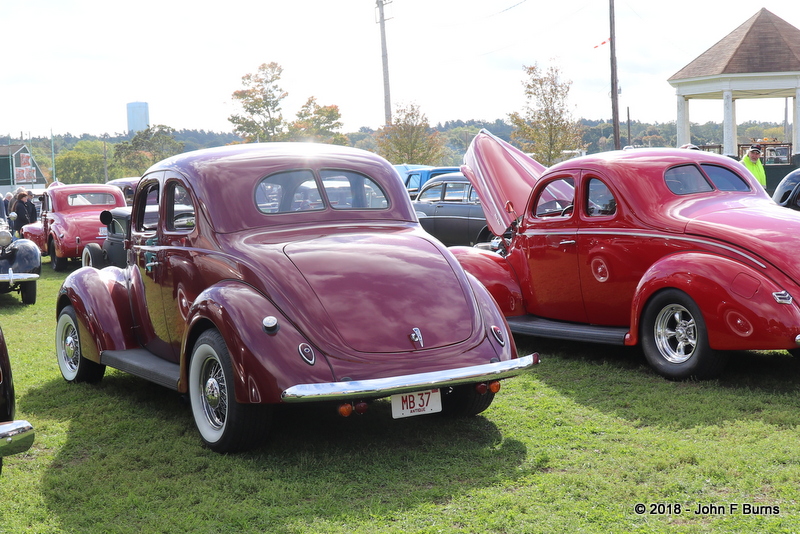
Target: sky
72, 65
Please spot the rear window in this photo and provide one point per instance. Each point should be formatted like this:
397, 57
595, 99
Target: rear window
686, 179
299, 190
91, 199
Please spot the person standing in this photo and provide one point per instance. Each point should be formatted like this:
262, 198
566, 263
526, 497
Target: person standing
752, 160
22, 211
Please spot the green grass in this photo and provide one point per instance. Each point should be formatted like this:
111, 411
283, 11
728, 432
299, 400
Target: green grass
571, 446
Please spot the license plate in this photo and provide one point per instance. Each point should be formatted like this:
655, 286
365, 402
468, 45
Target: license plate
103, 231
418, 403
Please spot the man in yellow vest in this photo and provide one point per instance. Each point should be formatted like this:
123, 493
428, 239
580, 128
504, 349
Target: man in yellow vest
752, 160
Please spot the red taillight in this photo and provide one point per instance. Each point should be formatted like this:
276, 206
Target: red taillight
345, 409
361, 407
481, 388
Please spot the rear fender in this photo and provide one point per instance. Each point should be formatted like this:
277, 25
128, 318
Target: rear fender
494, 272
102, 307
736, 300
265, 363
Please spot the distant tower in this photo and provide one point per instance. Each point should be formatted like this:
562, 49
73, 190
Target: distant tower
138, 117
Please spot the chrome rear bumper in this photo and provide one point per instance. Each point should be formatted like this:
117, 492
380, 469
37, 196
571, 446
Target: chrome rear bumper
384, 387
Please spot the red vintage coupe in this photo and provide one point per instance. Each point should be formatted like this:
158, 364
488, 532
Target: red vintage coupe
681, 251
276, 273
70, 218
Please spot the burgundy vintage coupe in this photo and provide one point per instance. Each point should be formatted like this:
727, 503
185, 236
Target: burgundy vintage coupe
280, 273
70, 218
680, 251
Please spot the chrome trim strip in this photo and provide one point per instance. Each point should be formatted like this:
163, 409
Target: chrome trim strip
15, 437
18, 277
634, 233
383, 387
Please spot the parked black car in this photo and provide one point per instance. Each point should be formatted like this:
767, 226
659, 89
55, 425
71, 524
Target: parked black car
20, 265
15, 436
113, 252
449, 209
788, 191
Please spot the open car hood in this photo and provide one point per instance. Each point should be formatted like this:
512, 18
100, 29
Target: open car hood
503, 176
377, 289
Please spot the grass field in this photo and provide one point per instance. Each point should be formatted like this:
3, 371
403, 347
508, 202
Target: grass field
572, 446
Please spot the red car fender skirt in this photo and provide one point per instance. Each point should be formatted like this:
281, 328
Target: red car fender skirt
494, 272
265, 360
736, 301
102, 306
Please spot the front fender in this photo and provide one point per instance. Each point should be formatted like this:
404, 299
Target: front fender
494, 272
35, 232
264, 363
102, 307
736, 300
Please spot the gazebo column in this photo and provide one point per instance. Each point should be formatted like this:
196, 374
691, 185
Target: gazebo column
729, 124
683, 128
796, 123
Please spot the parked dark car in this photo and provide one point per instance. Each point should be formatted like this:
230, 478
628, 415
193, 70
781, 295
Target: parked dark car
787, 193
272, 273
449, 209
15, 436
127, 185
416, 176
112, 251
679, 251
20, 265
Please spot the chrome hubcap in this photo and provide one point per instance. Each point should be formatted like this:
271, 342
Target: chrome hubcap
215, 398
675, 333
71, 352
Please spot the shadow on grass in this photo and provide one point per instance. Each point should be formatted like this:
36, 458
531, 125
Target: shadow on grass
755, 386
132, 460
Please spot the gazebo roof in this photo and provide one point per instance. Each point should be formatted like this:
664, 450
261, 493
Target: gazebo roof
759, 59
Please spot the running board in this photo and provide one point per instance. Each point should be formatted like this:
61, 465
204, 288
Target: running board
144, 364
531, 325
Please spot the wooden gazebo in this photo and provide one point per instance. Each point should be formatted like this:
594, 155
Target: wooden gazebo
759, 59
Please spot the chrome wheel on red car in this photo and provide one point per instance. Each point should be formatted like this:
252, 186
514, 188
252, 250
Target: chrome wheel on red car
74, 367
224, 424
675, 340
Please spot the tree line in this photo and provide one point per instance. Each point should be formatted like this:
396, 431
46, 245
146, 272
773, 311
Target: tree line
544, 127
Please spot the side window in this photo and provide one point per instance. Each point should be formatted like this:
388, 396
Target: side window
599, 199
455, 192
431, 194
412, 182
685, 180
147, 214
556, 199
473, 196
180, 210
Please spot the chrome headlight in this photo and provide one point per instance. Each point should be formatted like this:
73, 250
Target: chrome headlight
5, 238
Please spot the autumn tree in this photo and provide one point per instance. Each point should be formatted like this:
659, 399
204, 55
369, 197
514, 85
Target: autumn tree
146, 148
317, 123
545, 127
410, 139
260, 100
76, 167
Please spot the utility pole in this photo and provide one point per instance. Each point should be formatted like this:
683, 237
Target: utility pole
387, 100
614, 88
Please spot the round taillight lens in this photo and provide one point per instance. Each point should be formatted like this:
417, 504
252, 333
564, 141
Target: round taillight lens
494, 386
361, 407
345, 409
481, 388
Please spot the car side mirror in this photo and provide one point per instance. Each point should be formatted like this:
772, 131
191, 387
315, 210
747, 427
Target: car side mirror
106, 217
